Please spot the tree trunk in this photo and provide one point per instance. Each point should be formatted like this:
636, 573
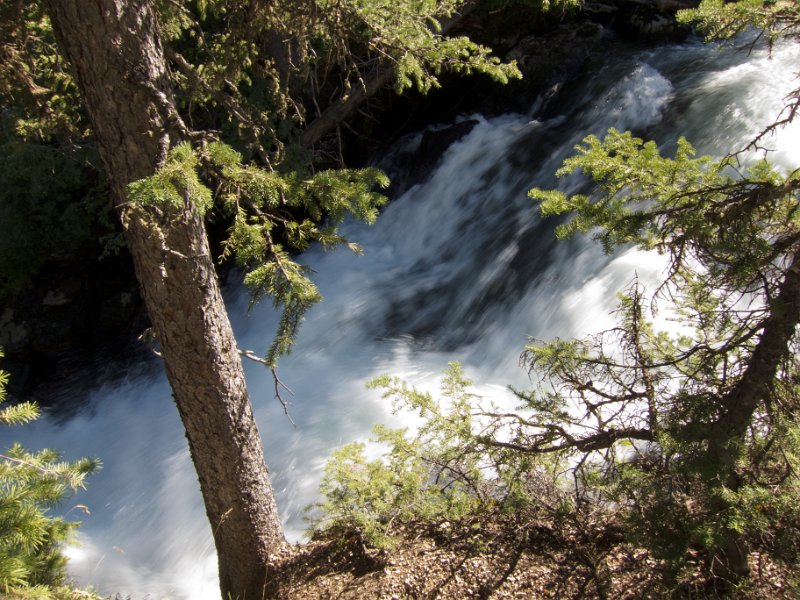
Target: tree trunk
740, 404
755, 385
116, 53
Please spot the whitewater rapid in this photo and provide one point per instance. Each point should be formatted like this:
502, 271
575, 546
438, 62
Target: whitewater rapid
460, 267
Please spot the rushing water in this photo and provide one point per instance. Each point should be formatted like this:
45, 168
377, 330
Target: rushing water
458, 268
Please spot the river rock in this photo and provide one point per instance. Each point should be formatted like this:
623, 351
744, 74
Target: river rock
73, 306
414, 163
556, 56
651, 20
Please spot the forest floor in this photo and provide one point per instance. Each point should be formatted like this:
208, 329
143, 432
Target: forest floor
499, 558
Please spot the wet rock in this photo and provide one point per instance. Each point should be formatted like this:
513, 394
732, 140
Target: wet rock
651, 20
15, 335
75, 308
558, 55
415, 163
600, 12
433, 145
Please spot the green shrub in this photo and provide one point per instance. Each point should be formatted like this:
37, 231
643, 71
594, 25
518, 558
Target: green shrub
433, 475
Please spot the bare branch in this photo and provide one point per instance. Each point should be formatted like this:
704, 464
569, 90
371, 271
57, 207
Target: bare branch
591, 443
249, 354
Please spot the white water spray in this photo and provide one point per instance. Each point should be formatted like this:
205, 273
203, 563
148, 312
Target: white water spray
458, 268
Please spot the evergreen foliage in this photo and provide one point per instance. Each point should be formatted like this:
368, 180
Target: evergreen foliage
281, 204
709, 416
773, 21
690, 436
462, 464
247, 73
265, 230
39, 97
31, 484
719, 20
433, 475
697, 429
250, 75
50, 200
334, 46
243, 72
713, 411
264, 201
175, 185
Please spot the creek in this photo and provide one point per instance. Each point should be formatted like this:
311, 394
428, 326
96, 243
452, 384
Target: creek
459, 267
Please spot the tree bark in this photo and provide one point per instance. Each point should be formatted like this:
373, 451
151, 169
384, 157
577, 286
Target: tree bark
740, 405
755, 385
117, 56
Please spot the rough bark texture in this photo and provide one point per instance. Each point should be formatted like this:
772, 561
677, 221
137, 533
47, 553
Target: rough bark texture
116, 53
740, 405
755, 386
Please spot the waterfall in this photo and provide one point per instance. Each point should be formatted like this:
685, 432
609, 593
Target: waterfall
460, 267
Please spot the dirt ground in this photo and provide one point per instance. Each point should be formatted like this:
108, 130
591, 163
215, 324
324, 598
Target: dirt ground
498, 559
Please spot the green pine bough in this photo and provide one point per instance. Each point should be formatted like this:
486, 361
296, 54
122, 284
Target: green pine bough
32, 563
266, 233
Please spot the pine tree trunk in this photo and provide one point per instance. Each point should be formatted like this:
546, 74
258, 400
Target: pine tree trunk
118, 60
755, 386
739, 406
